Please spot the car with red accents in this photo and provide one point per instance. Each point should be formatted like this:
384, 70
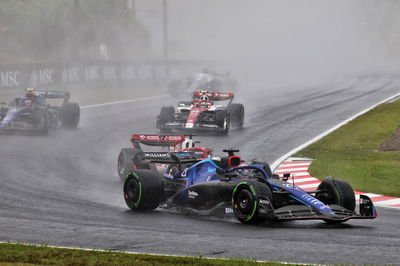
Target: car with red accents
208, 111
164, 149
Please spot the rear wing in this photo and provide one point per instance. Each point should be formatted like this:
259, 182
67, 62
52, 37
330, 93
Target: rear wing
170, 157
214, 96
160, 140
54, 95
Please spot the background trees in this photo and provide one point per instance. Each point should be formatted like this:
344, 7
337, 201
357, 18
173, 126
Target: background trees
59, 30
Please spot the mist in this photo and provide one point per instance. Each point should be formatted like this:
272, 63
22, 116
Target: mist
277, 42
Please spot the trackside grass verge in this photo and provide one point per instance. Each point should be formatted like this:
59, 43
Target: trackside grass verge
351, 152
19, 254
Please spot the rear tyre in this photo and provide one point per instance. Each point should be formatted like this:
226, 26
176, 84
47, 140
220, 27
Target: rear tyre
336, 191
252, 202
222, 119
166, 115
236, 111
143, 190
125, 161
70, 115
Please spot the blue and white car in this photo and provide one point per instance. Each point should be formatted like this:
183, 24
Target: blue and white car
35, 115
226, 187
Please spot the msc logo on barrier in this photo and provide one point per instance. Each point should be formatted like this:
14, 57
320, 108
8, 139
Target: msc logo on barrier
9, 78
42, 76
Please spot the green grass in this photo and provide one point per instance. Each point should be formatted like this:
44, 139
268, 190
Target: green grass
19, 254
351, 152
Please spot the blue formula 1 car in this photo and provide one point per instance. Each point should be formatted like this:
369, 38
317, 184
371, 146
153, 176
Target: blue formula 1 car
225, 187
33, 114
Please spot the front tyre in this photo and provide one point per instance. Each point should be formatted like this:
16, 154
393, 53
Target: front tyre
336, 191
166, 115
222, 119
252, 202
143, 190
339, 192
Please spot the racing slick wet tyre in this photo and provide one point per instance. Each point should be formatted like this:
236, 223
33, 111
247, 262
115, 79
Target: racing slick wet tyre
166, 115
125, 161
252, 202
70, 115
236, 112
143, 190
222, 119
336, 191
41, 120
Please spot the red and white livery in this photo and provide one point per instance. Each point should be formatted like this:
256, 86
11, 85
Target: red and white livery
207, 111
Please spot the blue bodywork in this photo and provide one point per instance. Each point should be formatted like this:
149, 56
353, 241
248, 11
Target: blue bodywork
18, 106
206, 171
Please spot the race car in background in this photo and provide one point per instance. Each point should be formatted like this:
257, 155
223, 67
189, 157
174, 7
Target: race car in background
225, 187
209, 80
35, 115
208, 111
167, 148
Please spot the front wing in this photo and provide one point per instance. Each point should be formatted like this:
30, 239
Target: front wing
338, 213
192, 127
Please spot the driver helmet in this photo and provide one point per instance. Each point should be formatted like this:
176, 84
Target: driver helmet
204, 98
188, 143
203, 95
30, 93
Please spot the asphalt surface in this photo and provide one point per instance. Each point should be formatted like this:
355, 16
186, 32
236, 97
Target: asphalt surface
63, 189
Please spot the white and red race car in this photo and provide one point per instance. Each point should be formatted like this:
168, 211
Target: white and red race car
179, 149
207, 111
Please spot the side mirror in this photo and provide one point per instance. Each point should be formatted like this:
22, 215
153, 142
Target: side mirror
286, 176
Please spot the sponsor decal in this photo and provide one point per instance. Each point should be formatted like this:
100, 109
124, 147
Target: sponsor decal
184, 173
228, 210
173, 138
156, 155
264, 201
110, 73
149, 137
92, 73
71, 74
9, 78
192, 194
315, 202
211, 170
182, 154
189, 125
42, 76
128, 72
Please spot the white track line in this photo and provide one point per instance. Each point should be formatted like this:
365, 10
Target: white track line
124, 101
302, 146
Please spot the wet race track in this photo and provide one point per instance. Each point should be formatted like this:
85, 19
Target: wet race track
63, 189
